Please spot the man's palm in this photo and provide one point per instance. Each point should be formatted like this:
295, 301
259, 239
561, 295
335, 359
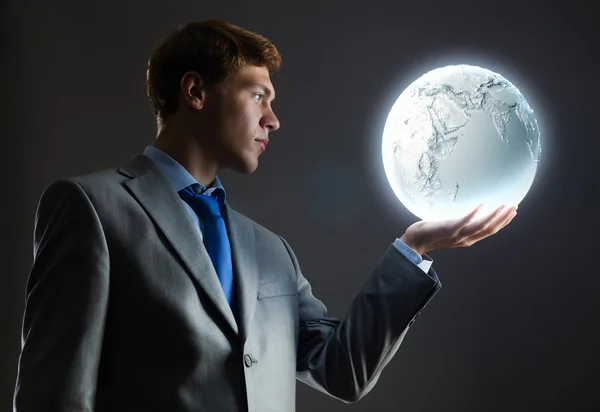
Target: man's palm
425, 236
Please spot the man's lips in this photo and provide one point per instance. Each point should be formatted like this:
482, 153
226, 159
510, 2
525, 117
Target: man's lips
263, 142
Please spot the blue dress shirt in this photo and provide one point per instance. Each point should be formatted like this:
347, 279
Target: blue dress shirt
180, 178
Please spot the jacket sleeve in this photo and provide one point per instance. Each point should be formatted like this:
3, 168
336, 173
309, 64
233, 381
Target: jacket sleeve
65, 307
345, 358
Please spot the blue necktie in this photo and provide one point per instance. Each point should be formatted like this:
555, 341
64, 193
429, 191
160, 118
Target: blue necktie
215, 235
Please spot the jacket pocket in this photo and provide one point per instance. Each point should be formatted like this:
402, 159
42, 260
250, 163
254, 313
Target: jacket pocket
278, 288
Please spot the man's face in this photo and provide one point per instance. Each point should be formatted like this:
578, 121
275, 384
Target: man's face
240, 117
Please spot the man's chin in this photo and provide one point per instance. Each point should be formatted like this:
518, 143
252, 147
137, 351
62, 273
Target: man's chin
245, 167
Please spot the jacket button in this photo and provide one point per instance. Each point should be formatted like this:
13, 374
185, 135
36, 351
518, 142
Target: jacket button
248, 360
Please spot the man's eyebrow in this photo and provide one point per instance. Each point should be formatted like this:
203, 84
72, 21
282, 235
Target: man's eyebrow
267, 91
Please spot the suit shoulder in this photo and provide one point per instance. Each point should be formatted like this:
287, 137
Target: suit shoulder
99, 179
258, 228
95, 186
94, 182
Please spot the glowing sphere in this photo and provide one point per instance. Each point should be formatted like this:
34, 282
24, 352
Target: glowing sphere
459, 136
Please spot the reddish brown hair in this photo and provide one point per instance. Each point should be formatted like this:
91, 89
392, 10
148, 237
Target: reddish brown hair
214, 49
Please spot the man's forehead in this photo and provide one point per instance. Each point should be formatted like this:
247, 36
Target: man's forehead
254, 75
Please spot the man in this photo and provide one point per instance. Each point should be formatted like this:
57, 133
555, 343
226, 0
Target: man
149, 292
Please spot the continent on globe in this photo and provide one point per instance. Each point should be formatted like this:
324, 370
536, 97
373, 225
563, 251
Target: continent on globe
457, 137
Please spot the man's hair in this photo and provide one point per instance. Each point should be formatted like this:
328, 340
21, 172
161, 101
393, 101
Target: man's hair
214, 49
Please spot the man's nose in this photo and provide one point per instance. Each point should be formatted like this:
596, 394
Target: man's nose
270, 122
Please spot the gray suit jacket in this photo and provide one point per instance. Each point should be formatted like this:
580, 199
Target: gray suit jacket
124, 311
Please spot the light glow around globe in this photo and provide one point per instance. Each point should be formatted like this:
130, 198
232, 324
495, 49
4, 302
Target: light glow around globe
457, 137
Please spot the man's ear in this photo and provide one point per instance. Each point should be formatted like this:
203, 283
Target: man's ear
193, 90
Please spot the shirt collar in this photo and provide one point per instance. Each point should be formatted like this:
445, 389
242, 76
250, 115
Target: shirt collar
176, 173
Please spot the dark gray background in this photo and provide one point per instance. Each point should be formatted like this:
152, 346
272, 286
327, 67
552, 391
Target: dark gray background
515, 327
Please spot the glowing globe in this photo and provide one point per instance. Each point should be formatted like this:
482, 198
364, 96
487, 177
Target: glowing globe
457, 137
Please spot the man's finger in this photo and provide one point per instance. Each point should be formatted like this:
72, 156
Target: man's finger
498, 221
459, 224
465, 220
491, 228
482, 223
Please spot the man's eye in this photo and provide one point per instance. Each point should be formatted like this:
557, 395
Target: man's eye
258, 96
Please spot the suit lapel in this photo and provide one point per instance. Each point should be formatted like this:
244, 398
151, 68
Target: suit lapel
157, 196
243, 249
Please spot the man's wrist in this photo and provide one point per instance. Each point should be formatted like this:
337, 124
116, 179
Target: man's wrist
411, 244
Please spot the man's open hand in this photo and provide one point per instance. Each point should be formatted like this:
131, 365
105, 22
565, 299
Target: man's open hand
425, 236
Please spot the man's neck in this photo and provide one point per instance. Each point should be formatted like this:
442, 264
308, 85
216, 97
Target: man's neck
190, 154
